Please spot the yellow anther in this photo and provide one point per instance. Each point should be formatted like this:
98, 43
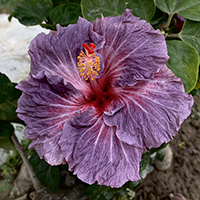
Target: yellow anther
88, 63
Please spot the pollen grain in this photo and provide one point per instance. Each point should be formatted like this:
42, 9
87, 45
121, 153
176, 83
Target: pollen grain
89, 62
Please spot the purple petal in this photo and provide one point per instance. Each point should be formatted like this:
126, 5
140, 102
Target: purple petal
45, 109
56, 55
48, 149
150, 112
93, 151
133, 49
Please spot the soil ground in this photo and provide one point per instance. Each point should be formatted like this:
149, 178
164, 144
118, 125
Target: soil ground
183, 176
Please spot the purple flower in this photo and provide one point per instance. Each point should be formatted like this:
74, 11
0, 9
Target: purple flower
98, 94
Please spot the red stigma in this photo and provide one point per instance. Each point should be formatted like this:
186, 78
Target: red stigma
89, 48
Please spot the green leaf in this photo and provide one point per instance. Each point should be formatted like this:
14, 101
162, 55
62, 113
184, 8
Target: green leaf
184, 62
91, 9
8, 111
30, 12
65, 14
147, 171
8, 99
100, 192
161, 154
191, 33
135, 184
49, 26
6, 131
189, 9
6, 88
59, 2
144, 161
153, 150
3, 3
158, 19
144, 9
48, 175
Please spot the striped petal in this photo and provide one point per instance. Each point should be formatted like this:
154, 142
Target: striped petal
133, 49
150, 112
94, 152
56, 54
45, 110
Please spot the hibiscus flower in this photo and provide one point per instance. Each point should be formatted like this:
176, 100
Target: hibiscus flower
99, 94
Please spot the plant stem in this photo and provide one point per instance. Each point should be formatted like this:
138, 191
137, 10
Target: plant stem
43, 194
173, 36
168, 21
20, 149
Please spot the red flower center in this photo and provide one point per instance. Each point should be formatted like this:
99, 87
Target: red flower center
89, 66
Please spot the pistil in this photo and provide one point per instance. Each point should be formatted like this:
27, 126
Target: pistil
97, 90
89, 62
89, 67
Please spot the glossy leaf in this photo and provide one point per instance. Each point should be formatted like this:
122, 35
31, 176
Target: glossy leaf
7, 111
144, 9
184, 62
189, 9
6, 88
101, 192
8, 99
191, 33
153, 150
3, 3
48, 26
158, 19
97, 192
91, 9
161, 155
65, 14
48, 175
30, 12
135, 184
6, 131
59, 2
147, 171
144, 161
